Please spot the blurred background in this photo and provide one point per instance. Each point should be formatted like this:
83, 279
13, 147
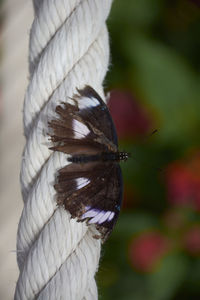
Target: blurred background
154, 251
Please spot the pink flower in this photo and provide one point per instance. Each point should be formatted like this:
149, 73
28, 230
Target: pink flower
129, 116
192, 240
183, 182
179, 183
146, 251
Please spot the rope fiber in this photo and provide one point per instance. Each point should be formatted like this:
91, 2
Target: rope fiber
69, 48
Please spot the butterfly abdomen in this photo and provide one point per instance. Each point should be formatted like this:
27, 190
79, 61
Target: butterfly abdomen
104, 157
82, 158
114, 156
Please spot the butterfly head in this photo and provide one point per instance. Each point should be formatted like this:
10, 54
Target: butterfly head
123, 156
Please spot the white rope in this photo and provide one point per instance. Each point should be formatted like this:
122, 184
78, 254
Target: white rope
69, 48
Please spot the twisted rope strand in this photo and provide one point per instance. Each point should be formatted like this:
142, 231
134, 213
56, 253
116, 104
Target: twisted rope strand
68, 49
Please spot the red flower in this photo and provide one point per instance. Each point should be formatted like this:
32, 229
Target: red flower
192, 240
179, 184
147, 250
183, 182
129, 116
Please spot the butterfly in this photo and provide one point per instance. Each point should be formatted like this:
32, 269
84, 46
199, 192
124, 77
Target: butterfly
90, 186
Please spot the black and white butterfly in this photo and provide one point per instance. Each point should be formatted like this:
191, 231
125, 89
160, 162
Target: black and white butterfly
90, 187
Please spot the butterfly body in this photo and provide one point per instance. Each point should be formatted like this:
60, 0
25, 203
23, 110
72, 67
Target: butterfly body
90, 185
102, 157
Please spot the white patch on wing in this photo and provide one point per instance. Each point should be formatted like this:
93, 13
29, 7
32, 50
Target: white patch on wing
97, 216
80, 129
86, 102
90, 213
111, 216
104, 217
81, 182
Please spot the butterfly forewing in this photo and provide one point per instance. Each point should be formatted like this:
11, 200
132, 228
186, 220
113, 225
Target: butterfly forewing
86, 124
95, 112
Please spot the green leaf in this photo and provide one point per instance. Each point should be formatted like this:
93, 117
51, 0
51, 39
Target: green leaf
169, 85
172, 272
133, 223
135, 12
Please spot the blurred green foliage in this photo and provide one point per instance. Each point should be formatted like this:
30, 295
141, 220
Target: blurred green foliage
155, 48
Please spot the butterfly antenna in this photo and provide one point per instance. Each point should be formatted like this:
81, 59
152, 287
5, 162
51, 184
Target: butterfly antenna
145, 138
153, 132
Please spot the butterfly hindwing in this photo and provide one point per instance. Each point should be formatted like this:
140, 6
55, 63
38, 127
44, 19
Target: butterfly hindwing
91, 192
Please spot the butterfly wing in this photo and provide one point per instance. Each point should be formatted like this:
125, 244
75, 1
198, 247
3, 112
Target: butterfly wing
85, 124
91, 192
